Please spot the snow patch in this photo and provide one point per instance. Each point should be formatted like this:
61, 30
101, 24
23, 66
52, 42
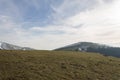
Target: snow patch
0, 45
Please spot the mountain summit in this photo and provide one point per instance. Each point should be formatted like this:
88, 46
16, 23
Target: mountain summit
7, 46
92, 47
82, 46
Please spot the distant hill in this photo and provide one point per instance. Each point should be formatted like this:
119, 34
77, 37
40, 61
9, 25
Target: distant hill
57, 65
7, 46
92, 47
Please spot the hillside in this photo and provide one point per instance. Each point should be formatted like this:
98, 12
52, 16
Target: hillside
92, 47
7, 46
57, 65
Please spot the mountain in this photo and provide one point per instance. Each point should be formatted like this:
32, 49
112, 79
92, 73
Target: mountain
92, 47
7, 46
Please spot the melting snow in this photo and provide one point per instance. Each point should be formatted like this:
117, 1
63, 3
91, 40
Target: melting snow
0, 45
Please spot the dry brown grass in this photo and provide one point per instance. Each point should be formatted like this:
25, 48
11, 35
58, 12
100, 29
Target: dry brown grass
57, 65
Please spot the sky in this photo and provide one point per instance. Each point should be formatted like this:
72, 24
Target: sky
50, 24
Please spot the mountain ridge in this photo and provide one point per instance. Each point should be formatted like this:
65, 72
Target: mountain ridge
7, 46
92, 47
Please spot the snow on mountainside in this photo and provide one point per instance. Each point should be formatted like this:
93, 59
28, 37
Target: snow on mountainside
7, 46
0, 45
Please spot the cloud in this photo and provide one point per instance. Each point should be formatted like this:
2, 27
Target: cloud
99, 24
9, 8
100, 20
71, 7
56, 28
11, 31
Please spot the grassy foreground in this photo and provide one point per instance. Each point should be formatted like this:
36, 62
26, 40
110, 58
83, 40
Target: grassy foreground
57, 65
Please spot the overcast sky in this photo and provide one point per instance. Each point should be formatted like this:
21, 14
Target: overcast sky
49, 24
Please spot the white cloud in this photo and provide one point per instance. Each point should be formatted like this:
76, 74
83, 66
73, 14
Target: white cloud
9, 8
10, 31
102, 19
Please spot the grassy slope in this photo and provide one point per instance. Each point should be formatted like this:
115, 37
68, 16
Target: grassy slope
57, 65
